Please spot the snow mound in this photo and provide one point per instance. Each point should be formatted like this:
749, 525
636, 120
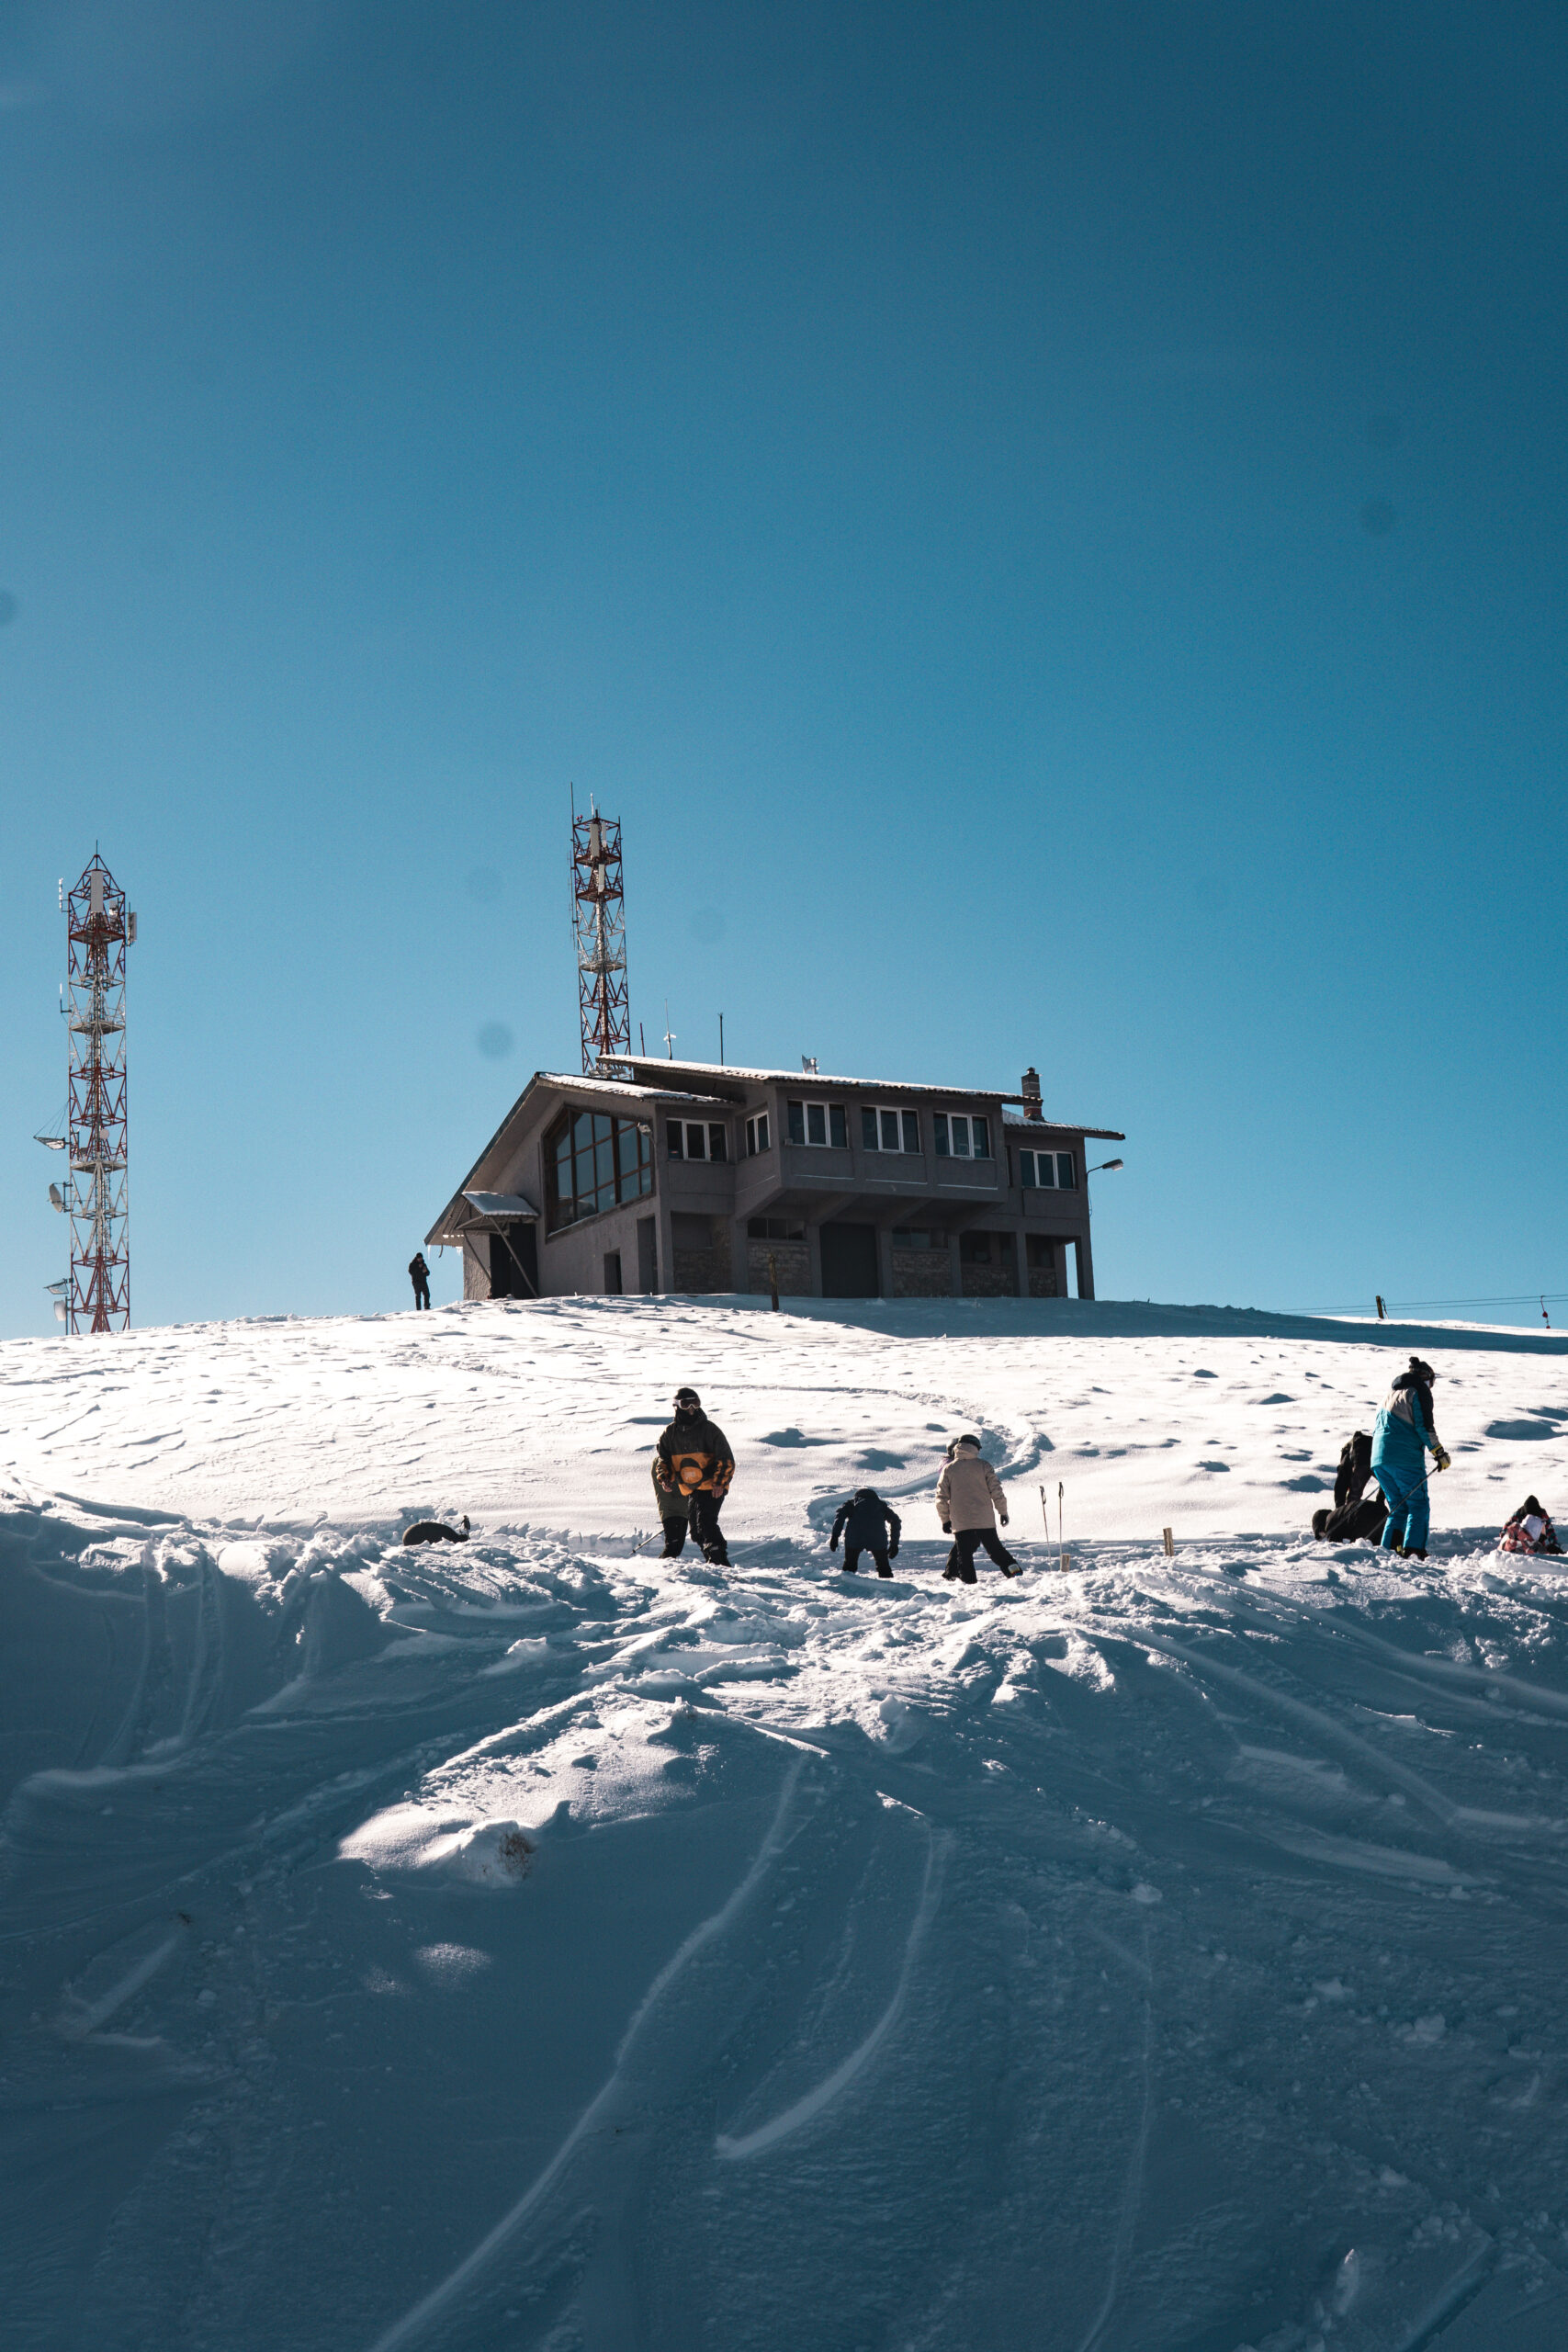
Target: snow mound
407, 1838
1167, 1955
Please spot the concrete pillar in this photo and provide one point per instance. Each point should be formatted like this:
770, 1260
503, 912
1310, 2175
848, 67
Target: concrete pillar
1086, 1265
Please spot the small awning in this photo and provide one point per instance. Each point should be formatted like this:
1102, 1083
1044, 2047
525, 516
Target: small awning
500, 1205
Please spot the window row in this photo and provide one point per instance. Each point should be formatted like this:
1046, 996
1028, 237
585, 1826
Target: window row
955, 1136
1047, 1171
593, 1162
775, 1229
697, 1139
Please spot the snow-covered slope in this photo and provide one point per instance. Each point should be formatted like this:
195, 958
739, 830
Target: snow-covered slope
541, 1945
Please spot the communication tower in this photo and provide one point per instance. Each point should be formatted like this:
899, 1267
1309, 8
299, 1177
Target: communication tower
598, 915
97, 930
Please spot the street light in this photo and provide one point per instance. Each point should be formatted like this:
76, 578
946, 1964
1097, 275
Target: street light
1103, 1165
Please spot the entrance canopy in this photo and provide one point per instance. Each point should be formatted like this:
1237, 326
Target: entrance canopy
500, 1205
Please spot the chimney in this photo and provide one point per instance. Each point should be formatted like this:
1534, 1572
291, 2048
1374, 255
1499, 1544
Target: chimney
1030, 1089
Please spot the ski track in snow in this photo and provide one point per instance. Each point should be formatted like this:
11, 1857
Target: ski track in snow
540, 1944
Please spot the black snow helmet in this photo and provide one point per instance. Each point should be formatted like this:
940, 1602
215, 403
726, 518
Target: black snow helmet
688, 1396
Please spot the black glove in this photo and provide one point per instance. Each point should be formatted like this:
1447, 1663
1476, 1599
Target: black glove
833, 1543
893, 1551
1440, 1459
946, 1528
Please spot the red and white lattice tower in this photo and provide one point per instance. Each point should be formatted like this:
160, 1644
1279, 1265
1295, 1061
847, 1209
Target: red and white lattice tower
598, 915
97, 931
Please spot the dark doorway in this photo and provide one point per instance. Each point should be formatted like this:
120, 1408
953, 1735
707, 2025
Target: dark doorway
515, 1261
849, 1261
647, 1253
613, 1286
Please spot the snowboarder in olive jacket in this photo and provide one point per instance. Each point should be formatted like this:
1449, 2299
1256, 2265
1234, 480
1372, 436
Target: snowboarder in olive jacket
694, 1459
866, 1524
968, 1498
1403, 1432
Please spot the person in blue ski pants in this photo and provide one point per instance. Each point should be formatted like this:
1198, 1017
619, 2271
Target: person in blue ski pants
1401, 1435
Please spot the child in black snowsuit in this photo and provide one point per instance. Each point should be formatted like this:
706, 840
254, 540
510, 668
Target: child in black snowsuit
866, 1523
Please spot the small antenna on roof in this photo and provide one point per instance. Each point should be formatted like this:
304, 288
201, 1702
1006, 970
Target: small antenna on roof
669, 1033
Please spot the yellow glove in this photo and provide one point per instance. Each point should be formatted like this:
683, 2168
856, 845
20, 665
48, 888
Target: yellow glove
1441, 1459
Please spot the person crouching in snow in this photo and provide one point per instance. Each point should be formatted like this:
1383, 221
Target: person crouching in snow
866, 1524
968, 1499
693, 1459
1401, 1435
1530, 1529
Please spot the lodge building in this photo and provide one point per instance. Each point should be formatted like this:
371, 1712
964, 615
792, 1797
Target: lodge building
693, 1176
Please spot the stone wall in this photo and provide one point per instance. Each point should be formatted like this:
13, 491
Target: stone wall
703, 1270
793, 1260
990, 1281
921, 1274
700, 1248
1043, 1283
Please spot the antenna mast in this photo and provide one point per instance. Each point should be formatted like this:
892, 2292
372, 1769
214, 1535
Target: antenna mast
97, 930
599, 919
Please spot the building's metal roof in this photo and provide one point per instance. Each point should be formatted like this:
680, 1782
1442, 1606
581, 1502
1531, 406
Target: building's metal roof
628, 1086
1026, 1128
895, 1089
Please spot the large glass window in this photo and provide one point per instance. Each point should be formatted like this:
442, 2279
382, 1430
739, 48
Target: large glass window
593, 1162
756, 1134
775, 1229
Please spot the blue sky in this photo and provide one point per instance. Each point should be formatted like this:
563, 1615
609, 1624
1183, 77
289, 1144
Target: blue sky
1046, 524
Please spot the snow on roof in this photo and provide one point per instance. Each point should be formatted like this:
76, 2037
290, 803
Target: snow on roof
628, 1086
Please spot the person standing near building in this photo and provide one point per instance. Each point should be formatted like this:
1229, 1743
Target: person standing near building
866, 1524
1403, 1434
968, 1498
694, 1459
419, 1274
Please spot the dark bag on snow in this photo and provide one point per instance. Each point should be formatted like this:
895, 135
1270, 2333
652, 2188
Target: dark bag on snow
1352, 1520
1361, 1522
